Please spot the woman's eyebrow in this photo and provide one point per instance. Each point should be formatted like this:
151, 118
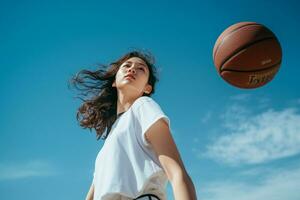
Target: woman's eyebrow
136, 62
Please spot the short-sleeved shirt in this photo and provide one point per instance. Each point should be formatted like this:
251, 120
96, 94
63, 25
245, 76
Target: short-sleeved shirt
127, 166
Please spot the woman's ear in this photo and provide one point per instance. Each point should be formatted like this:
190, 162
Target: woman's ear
148, 89
114, 84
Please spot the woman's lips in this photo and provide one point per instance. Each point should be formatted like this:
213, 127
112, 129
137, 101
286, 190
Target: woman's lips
129, 76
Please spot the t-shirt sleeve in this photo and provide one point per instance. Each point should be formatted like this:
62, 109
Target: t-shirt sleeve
148, 113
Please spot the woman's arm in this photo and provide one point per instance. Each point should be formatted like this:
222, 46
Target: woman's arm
183, 188
90, 194
160, 137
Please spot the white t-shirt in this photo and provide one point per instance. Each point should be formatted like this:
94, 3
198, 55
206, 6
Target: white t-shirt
126, 166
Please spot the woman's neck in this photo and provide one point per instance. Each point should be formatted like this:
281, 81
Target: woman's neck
123, 105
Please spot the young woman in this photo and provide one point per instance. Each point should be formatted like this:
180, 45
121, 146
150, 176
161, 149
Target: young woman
139, 155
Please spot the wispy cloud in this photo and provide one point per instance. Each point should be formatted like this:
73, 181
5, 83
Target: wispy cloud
240, 97
206, 117
35, 168
283, 184
261, 100
256, 138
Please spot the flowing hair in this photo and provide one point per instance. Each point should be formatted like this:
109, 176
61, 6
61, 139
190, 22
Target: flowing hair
99, 108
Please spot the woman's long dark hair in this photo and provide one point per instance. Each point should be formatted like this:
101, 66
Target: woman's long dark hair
99, 108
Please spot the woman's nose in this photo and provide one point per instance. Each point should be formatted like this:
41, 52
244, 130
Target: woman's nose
132, 70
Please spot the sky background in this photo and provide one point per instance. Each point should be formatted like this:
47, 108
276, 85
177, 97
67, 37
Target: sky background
236, 144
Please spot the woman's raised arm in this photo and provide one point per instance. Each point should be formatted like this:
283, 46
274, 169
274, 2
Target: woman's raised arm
160, 137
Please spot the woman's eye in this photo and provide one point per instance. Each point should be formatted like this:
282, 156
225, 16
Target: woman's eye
142, 69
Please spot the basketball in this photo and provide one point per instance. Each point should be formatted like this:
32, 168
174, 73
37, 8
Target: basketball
247, 55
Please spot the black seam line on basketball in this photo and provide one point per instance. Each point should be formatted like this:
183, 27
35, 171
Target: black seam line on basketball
234, 30
148, 195
257, 70
230, 33
242, 48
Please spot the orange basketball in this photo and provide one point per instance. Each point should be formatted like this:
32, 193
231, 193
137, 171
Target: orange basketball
247, 55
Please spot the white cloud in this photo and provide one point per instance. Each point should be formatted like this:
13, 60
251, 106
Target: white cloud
256, 138
297, 101
281, 185
240, 97
34, 168
262, 101
257, 171
206, 117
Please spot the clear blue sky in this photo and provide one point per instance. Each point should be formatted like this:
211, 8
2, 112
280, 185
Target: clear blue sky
236, 144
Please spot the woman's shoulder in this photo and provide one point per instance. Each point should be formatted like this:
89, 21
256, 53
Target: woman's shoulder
145, 103
144, 100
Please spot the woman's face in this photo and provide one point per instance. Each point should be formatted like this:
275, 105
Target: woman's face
132, 77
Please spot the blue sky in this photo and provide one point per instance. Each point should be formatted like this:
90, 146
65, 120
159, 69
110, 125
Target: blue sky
235, 143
